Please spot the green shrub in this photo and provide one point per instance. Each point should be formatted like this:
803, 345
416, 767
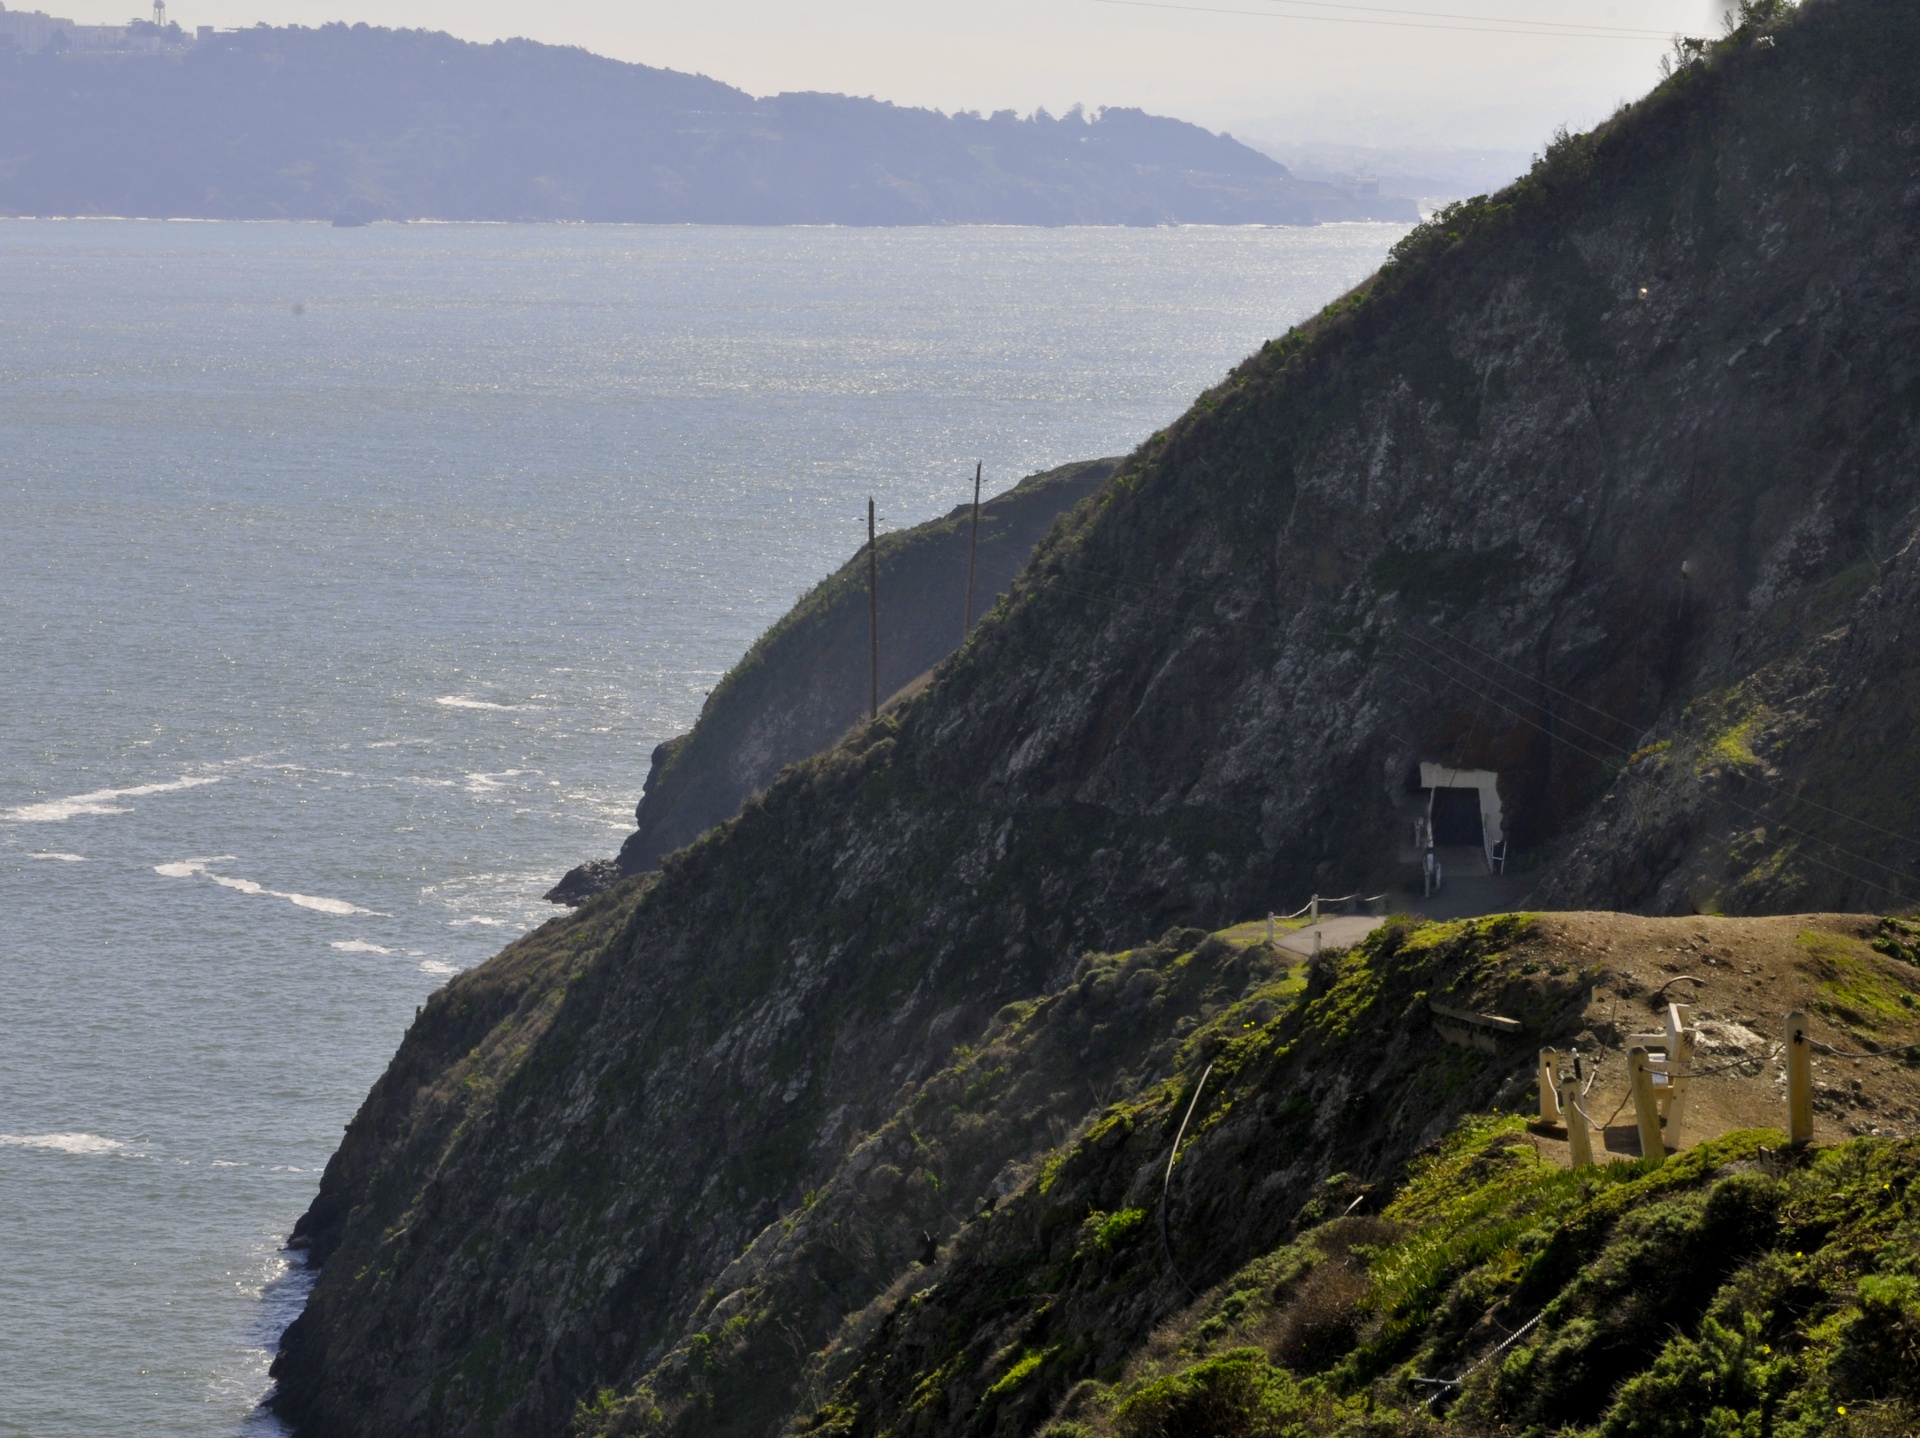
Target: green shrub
1723, 1384
1236, 1395
1879, 1353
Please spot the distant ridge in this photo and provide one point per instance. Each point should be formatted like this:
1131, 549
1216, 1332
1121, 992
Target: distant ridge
354, 124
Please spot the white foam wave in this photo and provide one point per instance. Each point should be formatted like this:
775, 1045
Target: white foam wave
467, 701
62, 1142
100, 801
358, 946
63, 858
488, 783
477, 919
322, 905
438, 969
189, 868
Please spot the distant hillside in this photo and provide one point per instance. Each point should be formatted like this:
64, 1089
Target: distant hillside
356, 123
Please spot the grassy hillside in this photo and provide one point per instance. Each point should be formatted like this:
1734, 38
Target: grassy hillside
1357, 1206
1739, 1289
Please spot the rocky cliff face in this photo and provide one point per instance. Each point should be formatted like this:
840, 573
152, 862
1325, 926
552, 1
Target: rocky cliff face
807, 679
1607, 484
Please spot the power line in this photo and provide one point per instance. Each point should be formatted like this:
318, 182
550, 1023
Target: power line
1392, 24
1544, 26
1619, 750
1784, 793
1561, 693
1167, 594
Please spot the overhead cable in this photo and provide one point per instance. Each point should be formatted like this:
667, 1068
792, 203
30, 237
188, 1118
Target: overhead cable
1569, 34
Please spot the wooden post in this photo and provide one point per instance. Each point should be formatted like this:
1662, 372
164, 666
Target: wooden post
1799, 1081
1269, 927
973, 550
1679, 1065
873, 618
1313, 909
1549, 1074
1579, 1132
1646, 1107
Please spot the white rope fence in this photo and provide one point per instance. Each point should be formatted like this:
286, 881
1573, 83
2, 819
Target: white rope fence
1311, 911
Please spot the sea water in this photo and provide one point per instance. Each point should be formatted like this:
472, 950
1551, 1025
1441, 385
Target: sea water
348, 578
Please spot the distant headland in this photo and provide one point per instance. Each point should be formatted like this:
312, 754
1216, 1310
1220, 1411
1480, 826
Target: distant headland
356, 124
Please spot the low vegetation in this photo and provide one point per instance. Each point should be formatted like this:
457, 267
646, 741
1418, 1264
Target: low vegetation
1739, 1290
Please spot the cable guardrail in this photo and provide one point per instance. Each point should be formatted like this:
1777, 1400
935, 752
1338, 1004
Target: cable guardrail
1657, 1093
1318, 902
1660, 1068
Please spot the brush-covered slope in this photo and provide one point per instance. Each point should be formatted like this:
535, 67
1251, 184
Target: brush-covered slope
362, 123
1446, 520
1069, 1310
808, 677
1739, 1289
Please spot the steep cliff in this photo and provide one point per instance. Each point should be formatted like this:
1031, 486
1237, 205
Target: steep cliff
806, 680
1607, 484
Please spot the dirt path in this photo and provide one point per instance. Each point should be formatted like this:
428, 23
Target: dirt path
1741, 978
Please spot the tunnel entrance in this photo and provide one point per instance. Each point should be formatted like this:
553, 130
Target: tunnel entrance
1456, 817
1463, 812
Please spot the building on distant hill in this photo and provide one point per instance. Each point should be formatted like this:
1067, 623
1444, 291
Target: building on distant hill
32, 31
29, 30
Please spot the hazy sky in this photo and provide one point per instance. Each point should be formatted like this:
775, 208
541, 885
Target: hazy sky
1383, 72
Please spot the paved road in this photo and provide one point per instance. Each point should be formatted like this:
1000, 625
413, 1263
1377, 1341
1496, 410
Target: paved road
1335, 933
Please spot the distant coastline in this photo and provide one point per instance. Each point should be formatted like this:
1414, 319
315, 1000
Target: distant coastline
354, 124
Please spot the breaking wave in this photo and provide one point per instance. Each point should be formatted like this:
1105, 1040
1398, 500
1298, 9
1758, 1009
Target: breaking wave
100, 801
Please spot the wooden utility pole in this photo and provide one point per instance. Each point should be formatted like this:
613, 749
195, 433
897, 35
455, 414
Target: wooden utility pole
973, 550
873, 618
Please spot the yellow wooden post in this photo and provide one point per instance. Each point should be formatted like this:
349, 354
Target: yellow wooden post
1549, 1076
1679, 1071
1646, 1107
1579, 1131
1799, 1081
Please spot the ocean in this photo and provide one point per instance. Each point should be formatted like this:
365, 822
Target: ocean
348, 579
